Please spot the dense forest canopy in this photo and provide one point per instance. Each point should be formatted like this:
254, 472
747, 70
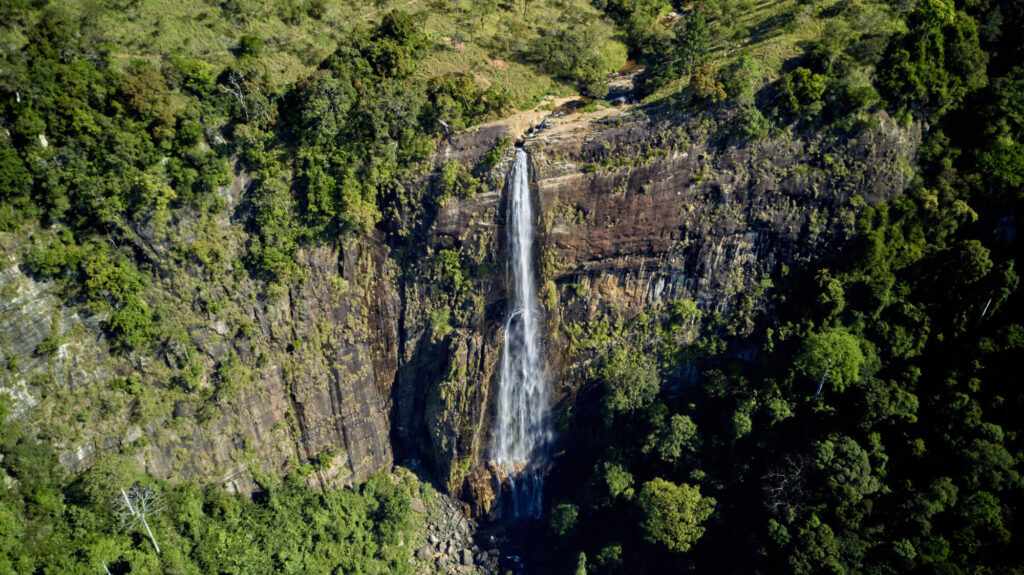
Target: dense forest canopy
876, 429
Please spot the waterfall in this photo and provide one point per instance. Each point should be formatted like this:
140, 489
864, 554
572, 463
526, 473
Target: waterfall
521, 429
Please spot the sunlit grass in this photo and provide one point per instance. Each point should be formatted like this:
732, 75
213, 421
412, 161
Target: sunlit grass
490, 47
774, 32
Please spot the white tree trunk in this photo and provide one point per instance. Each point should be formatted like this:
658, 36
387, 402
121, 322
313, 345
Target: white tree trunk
141, 517
150, 533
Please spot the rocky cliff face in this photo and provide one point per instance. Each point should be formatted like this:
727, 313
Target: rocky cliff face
366, 356
246, 382
638, 211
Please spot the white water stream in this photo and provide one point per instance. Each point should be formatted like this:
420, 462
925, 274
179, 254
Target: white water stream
521, 433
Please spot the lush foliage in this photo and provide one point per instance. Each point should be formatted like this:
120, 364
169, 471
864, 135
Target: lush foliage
875, 430
51, 522
870, 425
581, 49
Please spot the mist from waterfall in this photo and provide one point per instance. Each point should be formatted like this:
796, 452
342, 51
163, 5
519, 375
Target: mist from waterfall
521, 433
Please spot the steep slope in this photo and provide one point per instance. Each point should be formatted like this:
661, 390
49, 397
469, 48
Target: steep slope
304, 376
638, 210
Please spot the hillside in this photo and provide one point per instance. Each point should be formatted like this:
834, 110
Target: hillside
263, 262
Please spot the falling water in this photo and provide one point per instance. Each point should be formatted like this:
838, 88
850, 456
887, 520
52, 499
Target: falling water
521, 432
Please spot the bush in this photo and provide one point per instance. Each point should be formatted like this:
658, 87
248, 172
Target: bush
459, 101
51, 256
642, 20
706, 85
933, 66
194, 75
456, 182
801, 92
563, 519
742, 79
15, 188
251, 46
833, 356
750, 124
582, 50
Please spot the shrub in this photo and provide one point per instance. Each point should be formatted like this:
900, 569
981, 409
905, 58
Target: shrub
642, 20
750, 124
705, 85
457, 182
15, 188
459, 101
742, 79
933, 66
801, 92
250, 45
563, 519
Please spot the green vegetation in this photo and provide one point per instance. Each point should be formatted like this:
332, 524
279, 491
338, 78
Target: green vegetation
580, 49
870, 423
673, 514
154, 155
875, 431
111, 132
54, 523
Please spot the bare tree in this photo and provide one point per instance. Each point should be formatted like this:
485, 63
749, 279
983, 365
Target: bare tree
254, 103
783, 486
135, 505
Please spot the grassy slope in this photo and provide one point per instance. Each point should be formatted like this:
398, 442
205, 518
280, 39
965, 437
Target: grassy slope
487, 46
775, 31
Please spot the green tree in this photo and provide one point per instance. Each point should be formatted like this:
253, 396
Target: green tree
15, 188
396, 45
816, 550
581, 49
563, 519
973, 262
685, 52
832, 357
1002, 158
846, 467
670, 440
673, 515
931, 69
643, 21
581, 564
631, 381
692, 42
802, 92
617, 480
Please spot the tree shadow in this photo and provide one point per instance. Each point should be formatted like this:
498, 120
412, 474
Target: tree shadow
771, 27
